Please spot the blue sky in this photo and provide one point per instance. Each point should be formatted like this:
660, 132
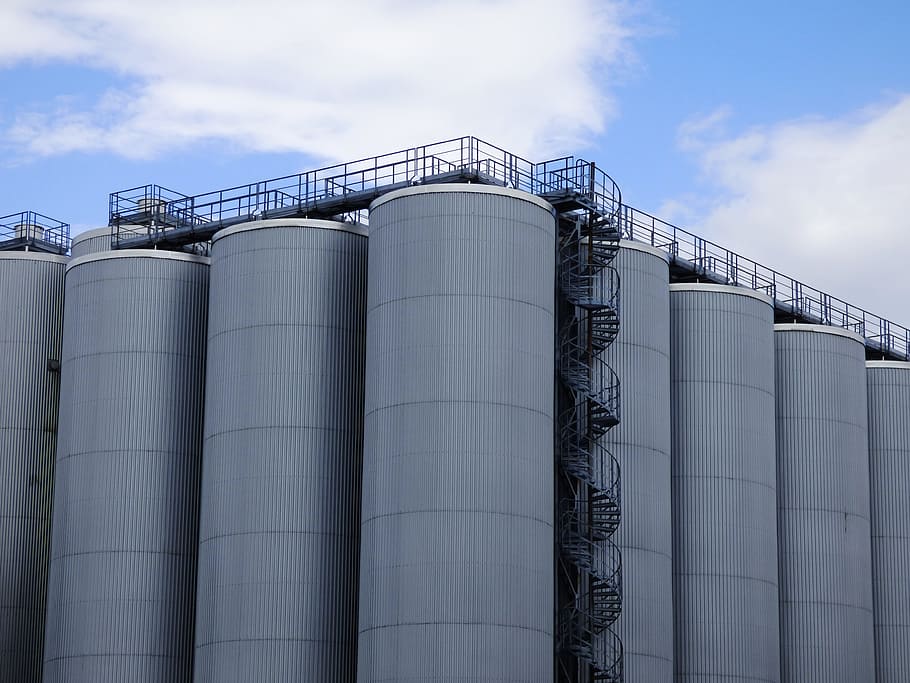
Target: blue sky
780, 129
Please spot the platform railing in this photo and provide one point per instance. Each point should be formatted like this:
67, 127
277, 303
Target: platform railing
30, 227
347, 188
711, 262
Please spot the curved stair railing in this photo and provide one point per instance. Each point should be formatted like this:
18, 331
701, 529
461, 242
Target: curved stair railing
589, 501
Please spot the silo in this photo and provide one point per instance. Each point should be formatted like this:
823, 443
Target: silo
457, 555
640, 356
91, 242
888, 389
823, 506
125, 521
31, 328
278, 547
723, 484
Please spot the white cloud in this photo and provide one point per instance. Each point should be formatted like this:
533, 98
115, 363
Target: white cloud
336, 79
824, 200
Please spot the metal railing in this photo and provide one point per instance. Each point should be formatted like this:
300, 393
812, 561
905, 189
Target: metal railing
150, 215
29, 229
711, 262
154, 214
588, 499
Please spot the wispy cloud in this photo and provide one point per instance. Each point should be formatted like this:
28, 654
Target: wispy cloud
331, 79
825, 200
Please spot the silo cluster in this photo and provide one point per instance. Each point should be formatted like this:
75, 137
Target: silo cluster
332, 452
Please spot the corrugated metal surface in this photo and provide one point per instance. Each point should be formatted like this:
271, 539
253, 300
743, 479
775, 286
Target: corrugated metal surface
92, 242
283, 451
640, 356
457, 534
723, 484
31, 328
823, 506
123, 560
888, 385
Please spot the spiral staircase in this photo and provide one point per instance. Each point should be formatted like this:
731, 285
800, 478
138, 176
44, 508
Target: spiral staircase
588, 508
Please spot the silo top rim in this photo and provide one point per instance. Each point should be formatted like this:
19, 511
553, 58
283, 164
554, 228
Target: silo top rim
645, 248
138, 253
893, 364
819, 329
720, 289
475, 188
353, 228
89, 234
33, 256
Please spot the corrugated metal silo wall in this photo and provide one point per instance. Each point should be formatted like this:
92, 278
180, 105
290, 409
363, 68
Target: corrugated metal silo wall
888, 385
125, 520
278, 547
723, 486
823, 506
641, 443
91, 242
31, 328
457, 534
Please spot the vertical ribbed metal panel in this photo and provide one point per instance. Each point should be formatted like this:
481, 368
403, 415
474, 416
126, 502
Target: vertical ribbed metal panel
278, 546
457, 533
91, 242
888, 385
125, 522
31, 328
823, 506
640, 356
723, 484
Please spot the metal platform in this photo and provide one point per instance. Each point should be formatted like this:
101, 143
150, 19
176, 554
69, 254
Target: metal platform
155, 216
695, 259
31, 231
152, 216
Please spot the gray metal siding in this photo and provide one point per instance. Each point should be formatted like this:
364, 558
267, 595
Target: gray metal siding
91, 242
122, 576
640, 356
280, 520
457, 533
889, 464
823, 509
31, 328
723, 486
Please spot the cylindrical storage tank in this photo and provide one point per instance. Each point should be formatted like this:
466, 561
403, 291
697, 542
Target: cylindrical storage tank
723, 484
278, 546
126, 496
888, 391
91, 242
640, 356
457, 550
31, 328
823, 506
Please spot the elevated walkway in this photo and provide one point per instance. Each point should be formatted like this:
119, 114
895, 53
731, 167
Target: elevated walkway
31, 231
152, 216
